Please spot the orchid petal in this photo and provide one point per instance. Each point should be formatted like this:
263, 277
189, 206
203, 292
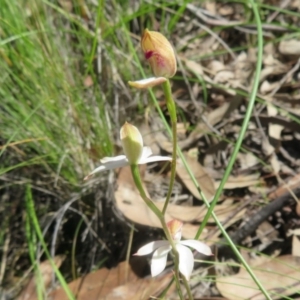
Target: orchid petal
105, 160
150, 247
186, 260
197, 245
147, 83
109, 163
146, 158
146, 152
159, 260
154, 159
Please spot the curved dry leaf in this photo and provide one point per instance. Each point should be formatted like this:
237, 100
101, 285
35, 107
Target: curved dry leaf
291, 184
290, 47
46, 271
216, 66
280, 276
115, 284
130, 203
296, 244
224, 211
224, 76
212, 118
241, 181
142, 289
189, 231
247, 160
205, 182
97, 284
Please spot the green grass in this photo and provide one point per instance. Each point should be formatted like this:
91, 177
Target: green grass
45, 106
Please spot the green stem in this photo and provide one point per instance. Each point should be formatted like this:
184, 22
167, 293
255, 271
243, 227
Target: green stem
187, 287
178, 286
35, 223
138, 183
172, 111
166, 289
170, 102
233, 157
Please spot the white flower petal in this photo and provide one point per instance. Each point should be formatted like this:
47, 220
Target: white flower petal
105, 160
109, 163
154, 159
146, 152
197, 245
159, 260
147, 83
146, 159
150, 247
186, 260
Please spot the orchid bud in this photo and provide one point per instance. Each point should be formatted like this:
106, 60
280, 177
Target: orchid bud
160, 54
132, 143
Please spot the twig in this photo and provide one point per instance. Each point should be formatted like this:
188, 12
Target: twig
257, 218
283, 4
219, 21
285, 77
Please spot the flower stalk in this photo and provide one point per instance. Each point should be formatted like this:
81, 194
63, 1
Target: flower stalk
138, 183
173, 115
161, 56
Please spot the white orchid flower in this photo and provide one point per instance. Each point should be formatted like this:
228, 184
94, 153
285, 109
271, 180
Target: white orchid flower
132, 143
110, 163
162, 248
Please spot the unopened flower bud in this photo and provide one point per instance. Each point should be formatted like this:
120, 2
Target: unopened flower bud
160, 54
132, 143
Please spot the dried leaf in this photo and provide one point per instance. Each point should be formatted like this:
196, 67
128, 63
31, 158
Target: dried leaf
205, 182
46, 271
247, 160
96, 284
114, 284
140, 289
291, 184
266, 233
274, 129
194, 66
224, 76
290, 47
241, 181
216, 66
212, 118
296, 245
131, 204
298, 209
67, 5
280, 276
